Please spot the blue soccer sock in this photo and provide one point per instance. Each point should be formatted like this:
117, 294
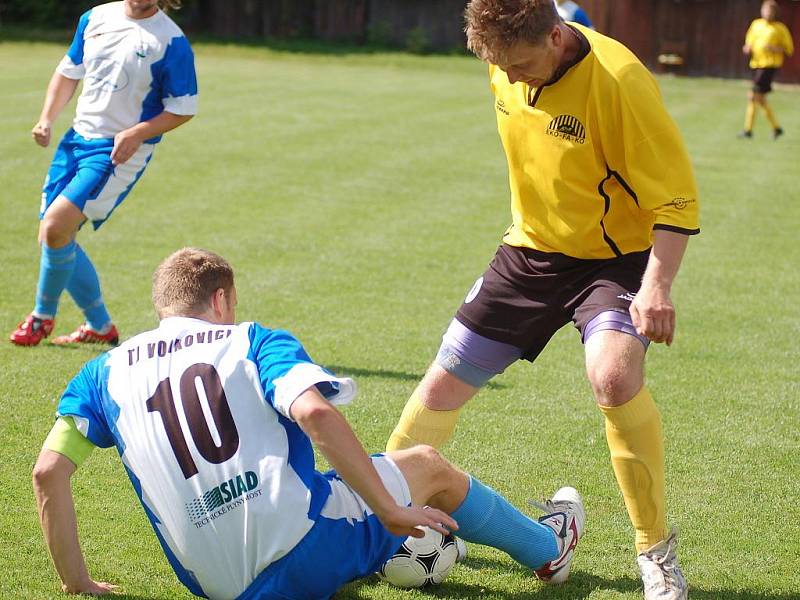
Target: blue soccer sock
485, 517
55, 268
84, 287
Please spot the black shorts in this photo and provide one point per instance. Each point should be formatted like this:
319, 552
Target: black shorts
525, 296
762, 80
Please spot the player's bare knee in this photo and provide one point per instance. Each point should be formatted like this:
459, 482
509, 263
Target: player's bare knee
54, 233
613, 384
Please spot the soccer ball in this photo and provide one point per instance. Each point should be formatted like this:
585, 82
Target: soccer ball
421, 562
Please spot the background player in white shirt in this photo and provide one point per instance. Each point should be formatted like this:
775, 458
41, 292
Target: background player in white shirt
214, 424
139, 82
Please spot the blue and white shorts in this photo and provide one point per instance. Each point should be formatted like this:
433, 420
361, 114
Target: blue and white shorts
82, 172
347, 542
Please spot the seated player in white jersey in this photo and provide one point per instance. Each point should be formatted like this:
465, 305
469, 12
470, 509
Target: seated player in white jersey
139, 82
215, 422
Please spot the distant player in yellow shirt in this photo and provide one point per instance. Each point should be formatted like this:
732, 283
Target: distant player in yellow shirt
767, 42
603, 201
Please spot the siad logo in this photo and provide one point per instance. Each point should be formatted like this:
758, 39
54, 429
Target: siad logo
219, 496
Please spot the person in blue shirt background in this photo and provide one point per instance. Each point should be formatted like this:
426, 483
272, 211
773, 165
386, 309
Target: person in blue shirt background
570, 11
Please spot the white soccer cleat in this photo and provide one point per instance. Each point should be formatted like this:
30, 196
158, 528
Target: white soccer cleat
661, 573
566, 517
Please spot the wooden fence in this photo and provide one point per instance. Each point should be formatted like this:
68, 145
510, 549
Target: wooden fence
707, 34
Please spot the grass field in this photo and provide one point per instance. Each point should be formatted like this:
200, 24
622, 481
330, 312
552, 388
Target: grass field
358, 197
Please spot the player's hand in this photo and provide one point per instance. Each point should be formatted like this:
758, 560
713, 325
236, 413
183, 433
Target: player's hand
126, 143
653, 314
406, 520
91, 588
41, 133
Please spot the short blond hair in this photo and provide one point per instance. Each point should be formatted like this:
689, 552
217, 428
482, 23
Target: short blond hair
184, 283
494, 26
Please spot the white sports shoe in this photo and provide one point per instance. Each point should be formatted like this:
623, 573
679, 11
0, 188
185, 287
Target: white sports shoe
661, 573
566, 517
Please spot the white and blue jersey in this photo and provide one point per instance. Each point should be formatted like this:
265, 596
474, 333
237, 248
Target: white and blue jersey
570, 11
200, 416
132, 70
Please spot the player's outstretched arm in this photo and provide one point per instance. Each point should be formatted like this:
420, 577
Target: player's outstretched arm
59, 92
51, 484
331, 433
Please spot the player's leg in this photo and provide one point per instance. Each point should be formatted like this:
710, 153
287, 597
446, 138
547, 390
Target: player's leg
615, 366
431, 413
766, 88
615, 356
749, 115
84, 287
486, 517
57, 235
56, 261
493, 328
110, 187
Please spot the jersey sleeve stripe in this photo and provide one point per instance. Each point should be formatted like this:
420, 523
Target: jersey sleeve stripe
676, 229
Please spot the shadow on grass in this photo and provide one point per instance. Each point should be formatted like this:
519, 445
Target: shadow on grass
387, 374
580, 586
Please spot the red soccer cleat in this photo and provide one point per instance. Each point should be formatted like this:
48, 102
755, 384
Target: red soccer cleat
31, 331
85, 335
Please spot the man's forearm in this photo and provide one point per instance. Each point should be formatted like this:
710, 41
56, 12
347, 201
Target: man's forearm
344, 452
161, 123
59, 92
58, 520
334, 438
665, 259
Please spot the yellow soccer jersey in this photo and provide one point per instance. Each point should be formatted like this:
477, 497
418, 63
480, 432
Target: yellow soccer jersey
763, 37
595, 162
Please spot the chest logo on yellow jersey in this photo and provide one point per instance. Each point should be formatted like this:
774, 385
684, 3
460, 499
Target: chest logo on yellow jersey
501, 106
567, 127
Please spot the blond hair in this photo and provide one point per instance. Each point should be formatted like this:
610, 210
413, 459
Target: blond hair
493, 26
185, 281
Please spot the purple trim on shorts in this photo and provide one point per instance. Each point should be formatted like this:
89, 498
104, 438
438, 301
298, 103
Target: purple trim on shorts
479, 351
613, 320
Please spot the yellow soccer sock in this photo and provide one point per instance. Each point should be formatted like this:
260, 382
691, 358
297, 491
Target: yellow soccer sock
750, 116
770, 116
421, 425
635, 439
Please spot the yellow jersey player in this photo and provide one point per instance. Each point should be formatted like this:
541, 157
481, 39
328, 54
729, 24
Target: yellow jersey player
603, 201
767, 42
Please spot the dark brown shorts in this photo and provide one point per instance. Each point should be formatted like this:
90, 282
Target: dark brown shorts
525, 296
762, 80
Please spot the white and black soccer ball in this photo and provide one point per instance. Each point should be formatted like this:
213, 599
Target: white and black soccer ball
421, 562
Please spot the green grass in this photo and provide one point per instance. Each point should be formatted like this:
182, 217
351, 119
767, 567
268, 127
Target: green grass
358, 197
